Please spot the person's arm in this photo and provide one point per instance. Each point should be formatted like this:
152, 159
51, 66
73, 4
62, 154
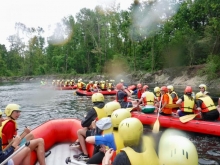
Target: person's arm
5, 154
91, 115
107, 158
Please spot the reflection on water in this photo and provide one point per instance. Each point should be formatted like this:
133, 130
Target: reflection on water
40, 104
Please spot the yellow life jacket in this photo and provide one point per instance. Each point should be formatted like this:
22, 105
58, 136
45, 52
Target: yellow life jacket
2, 136
170, 99
110, 85
147, 157
103, 86
188, 104
208, 104
79, 85
149, 99
100, 112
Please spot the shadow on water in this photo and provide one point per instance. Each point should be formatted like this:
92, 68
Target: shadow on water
40, 104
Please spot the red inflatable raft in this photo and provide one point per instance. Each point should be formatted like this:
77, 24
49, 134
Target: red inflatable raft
205, 127
112, 92
58, 134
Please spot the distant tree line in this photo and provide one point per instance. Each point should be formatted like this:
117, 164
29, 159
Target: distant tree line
149, 36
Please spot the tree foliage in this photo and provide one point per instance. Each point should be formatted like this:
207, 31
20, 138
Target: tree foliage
149, 36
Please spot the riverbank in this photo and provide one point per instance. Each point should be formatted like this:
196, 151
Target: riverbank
180, 76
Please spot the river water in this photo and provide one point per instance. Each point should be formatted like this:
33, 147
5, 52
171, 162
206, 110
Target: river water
40, 104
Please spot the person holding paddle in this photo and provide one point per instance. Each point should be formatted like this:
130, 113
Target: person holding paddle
165, 99
172, 93
187, 103
122, 96
23, 156
9, 126
205, 104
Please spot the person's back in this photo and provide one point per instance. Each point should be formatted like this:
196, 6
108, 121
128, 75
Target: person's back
206, 105
95, 113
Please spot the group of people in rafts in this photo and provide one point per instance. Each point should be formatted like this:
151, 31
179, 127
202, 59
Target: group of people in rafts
91, 86
164, 96
111, 128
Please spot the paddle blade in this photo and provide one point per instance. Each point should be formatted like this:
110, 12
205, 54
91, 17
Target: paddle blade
172, 106
187, 118
156, 126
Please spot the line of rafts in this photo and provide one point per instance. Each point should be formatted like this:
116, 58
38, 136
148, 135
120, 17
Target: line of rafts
54, 135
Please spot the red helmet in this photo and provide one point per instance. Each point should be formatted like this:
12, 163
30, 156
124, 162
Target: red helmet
188, 89
139, 85
145, 87
164, 88
119, 86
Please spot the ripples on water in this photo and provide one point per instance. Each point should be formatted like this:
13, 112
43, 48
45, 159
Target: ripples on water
42, 104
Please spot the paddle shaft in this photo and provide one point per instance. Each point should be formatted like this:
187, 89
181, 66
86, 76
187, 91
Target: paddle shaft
22, 135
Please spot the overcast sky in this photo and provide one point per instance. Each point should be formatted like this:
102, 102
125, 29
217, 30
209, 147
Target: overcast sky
34, 13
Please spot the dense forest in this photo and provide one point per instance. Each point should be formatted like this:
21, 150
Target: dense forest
149, 36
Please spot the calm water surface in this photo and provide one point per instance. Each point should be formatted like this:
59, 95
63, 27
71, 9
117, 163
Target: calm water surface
41, 104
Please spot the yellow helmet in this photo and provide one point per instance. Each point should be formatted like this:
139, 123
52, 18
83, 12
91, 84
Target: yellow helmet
97, 97
119, 115
176, 149
203, 86
111, 107
199, 94
130, 130
10, 108
157, 89
170, 87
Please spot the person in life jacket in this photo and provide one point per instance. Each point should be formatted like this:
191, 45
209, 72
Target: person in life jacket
165, 99
140, 149
110, 137
9, 126
187, 103
103, 85
139, 91
111, 85
22, 157
89, 86
147, 97
122, 95
130, 131
205, 104
203, 89
98, 112
172, 93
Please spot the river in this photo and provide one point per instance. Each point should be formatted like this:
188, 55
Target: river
40, 104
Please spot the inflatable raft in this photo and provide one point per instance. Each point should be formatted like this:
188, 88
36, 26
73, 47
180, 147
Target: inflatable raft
199, 126
58, 134
80, 92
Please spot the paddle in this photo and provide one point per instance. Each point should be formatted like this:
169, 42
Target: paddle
187, 118
156, 125
19, 149
22, 135
172, 106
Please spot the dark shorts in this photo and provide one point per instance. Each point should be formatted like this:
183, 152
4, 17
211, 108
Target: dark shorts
126, 104
89, 133
181, 113
211, 115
